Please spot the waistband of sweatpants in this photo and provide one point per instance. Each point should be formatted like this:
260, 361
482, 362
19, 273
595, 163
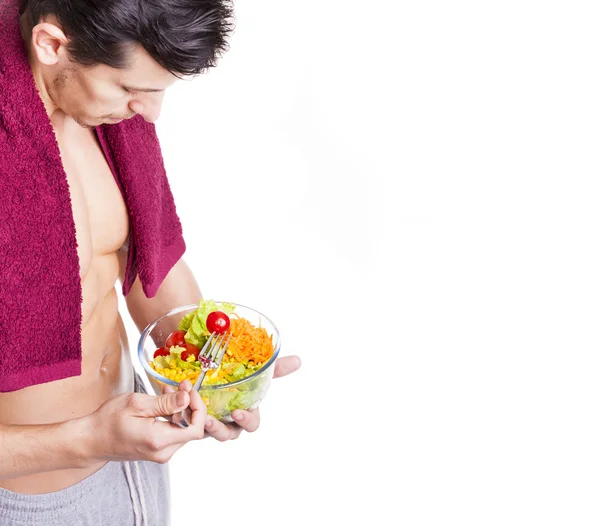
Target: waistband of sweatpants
26, 508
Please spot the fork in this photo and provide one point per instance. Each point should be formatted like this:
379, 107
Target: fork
212, 352
211, 355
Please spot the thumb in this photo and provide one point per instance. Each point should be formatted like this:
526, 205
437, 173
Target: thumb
165, 405
286, 365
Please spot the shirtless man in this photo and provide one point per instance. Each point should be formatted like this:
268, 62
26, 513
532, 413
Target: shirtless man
91, 437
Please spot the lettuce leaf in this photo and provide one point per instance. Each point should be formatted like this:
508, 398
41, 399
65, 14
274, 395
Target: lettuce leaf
195, 322
243, 400
186, 321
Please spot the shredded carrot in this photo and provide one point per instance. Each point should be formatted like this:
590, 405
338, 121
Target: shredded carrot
249, 343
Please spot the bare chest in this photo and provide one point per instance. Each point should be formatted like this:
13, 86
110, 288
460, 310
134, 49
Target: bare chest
100, 215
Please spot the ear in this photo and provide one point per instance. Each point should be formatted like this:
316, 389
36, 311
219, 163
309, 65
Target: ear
48, 42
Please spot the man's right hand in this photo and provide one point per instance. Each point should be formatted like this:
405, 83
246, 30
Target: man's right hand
125, 428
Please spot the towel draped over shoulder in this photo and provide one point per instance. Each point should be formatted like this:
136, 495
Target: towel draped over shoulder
40, 285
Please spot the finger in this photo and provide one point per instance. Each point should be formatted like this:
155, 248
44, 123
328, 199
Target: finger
165, 454
165, 434
154, 406
198, 408
220, 431
186, 385
286, 365
247, 420
196, 405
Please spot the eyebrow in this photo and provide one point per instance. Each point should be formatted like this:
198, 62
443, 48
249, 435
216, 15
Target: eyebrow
143, 90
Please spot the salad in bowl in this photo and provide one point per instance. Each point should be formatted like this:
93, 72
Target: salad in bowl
169, 351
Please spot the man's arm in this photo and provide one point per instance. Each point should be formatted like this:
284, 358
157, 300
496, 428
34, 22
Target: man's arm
33, 449
179, 288
123, 428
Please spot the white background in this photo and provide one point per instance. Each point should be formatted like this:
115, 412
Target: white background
410, 191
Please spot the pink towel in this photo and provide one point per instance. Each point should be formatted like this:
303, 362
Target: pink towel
40, 287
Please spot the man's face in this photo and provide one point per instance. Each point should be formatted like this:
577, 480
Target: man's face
102, 95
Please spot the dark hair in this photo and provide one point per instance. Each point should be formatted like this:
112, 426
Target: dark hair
185, 37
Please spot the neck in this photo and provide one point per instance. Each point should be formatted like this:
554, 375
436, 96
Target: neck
37, 72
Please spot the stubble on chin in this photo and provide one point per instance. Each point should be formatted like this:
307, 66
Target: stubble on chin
83, 124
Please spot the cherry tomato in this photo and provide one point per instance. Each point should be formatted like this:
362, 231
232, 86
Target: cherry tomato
175, 338
163, 351
218, 322
189, 351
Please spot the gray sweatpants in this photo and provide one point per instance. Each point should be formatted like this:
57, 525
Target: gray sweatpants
119, 494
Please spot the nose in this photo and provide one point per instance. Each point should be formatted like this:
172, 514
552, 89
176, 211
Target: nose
148, 105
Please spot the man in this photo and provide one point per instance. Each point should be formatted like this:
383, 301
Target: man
86, 449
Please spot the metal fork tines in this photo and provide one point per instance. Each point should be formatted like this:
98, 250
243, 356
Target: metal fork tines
213, 351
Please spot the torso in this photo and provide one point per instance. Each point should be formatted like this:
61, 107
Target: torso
102, 226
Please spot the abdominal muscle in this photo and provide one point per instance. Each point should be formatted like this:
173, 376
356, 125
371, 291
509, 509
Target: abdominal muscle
106, 372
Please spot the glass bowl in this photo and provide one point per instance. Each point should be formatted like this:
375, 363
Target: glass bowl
220, 400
